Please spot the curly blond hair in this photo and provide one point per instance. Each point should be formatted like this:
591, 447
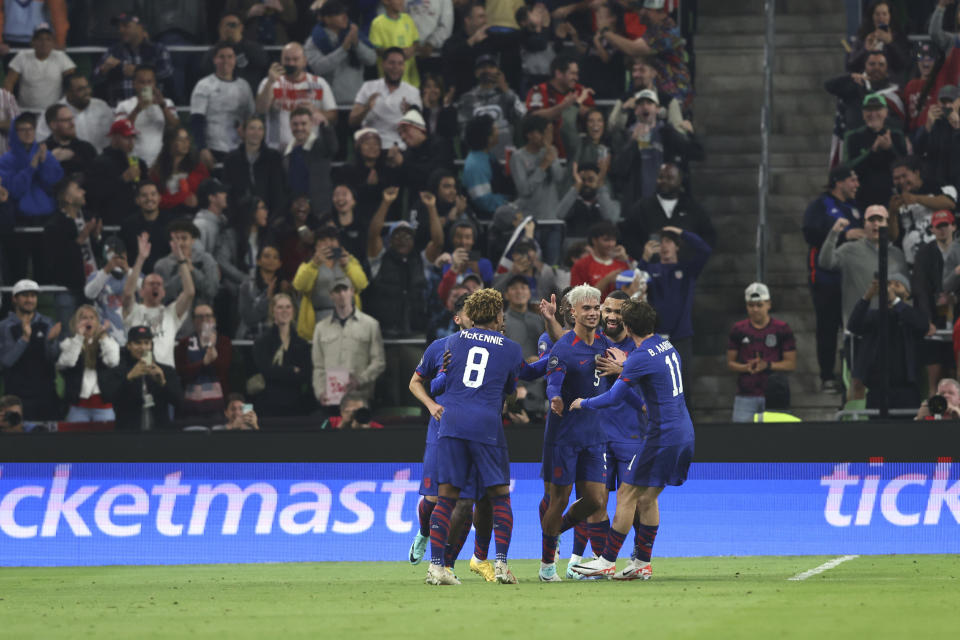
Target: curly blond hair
483, 306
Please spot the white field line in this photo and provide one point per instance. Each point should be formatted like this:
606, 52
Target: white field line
824, 567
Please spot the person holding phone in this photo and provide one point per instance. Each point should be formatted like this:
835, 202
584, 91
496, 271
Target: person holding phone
240, 415
203, 362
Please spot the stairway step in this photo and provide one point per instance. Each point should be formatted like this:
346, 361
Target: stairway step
753, 83
735, 25
779, 143
711, 41
756, 7
743, 61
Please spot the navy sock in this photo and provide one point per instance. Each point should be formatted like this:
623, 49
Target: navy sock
453, 550
598, 535
502, 525
614, 542
580, 533
424, 509
645, 537
440, 528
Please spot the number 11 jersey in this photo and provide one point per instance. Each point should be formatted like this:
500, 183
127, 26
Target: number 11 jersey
654, 369
484, 366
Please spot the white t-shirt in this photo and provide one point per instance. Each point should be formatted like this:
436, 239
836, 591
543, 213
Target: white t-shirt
225, 104
388, 109
150, 123
41, 81
164, 324
287, 96
93, 123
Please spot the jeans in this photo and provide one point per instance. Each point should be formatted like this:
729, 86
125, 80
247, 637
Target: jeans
744, 407
82, 414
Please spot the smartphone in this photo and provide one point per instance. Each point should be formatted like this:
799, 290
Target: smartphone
655, 237
147, 358
883, 27
147, 94
247, 408
336, 253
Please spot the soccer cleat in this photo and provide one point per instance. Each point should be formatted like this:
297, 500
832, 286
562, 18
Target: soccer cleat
437, 575
548, 573
503, 573
418, 548
483, 568
573, 575
636, 570
598, 567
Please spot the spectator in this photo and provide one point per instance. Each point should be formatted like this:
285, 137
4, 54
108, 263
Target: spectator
18, 24
525, 261
552, 100
143, 389
929, 296
239, 418
28, 352
105, 287
469, 41
381, 104
434, 23
347, 349
354, 414
257, 292
163, 321
423, 154
92, 117
306, 159
11, 415
905, 328
605, 261
117, 176
149, 112
871, 150
881, 33
634, 283
439, 112
492, 96
283, 360
220, 102
211, 220
524, 327
587, 202
936, 142
39, 72
662, 41
758, 347
537, 43
604, 59
295, 236
265, 21
398, 286
482, 176
338, 50
919, 91
203, 364
85, 356
116, 70
852, 90
350, 224
9, 110
821, 214
29, 171
463, 238
643, 75
949, 389
670, 205
914, 202
74, 155
646, 147
444, 322
396, 29
149, 220
72, 245
593, 147
205, 276
369, 174
180, 172
254, 169
252, 60
288, 86
672, 284
451, 204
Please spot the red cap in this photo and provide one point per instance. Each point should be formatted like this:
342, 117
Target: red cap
941, 217
124, 128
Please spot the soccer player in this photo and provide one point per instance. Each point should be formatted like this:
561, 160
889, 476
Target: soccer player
431, 364
483, 369
662, 459
574, 445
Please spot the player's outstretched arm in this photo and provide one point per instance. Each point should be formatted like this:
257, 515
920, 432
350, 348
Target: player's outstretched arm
618, 393
535, 370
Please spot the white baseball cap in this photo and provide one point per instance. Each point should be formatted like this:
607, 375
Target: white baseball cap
757, 292
25, 286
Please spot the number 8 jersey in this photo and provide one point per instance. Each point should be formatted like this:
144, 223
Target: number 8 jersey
484, 366
654, 368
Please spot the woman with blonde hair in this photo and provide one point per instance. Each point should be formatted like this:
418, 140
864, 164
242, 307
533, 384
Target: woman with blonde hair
283, 363
87, 353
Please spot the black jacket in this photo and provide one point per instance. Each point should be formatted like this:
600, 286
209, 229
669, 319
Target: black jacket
132, 226
127, 395
873, 167
420, 162
397, 296
906, 328
66, 265
322, 150
647, 217
284, 394
268, 182
108, 194
926, 283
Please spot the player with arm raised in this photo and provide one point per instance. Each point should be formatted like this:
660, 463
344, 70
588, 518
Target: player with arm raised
663, 458
483, 369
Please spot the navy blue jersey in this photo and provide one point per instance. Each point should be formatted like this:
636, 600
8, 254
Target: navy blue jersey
624, 421
572, 373
484, 366
544, 343
428, 368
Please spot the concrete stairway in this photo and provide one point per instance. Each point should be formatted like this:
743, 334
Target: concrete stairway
729, 48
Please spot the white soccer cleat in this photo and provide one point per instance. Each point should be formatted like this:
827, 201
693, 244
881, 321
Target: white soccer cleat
597, 567
438, 575
503, 573
636, 570
548, 573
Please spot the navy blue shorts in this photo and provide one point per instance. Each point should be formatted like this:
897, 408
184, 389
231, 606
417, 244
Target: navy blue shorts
655, 466
428, 480
564, 464
461, 463
619, 455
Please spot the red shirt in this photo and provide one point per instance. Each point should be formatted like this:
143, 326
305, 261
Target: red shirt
544, 96
769, 342
588, 270
335, 423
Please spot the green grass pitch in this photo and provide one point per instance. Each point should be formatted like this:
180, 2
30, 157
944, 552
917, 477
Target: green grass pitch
885, 596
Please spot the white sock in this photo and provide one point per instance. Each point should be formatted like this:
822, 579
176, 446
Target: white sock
575, 559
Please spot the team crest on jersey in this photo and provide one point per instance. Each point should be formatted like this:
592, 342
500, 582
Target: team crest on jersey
553, 362
745, 340
770, 340
678, 274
